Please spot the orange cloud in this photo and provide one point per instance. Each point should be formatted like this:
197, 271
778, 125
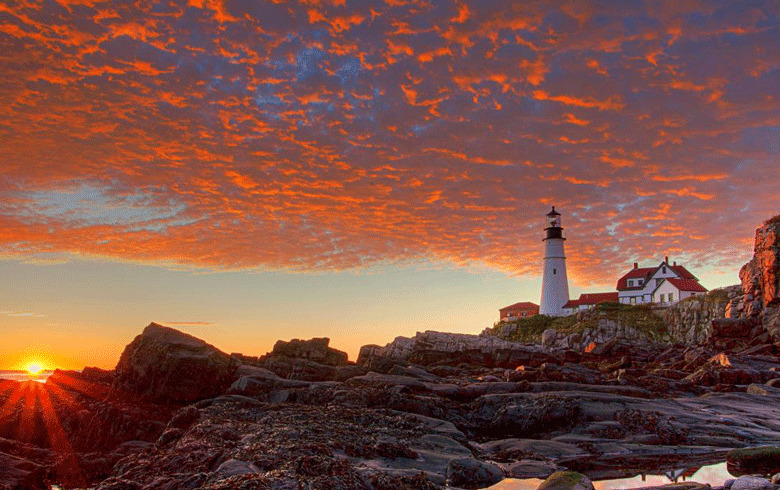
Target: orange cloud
611, 104
352, 135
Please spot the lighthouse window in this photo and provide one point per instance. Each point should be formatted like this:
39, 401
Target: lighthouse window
555, 271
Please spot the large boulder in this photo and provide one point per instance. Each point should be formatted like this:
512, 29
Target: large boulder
472, 473
169, 366
751, 460
303, 369
315, 350
752, 482
566, 480
730, 328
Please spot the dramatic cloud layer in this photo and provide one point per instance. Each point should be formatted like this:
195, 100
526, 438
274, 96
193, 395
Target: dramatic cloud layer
333, 135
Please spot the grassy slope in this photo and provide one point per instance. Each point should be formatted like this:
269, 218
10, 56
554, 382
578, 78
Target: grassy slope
640, 317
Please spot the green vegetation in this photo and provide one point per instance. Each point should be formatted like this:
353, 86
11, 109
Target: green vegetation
716, 296
530, 329
640, 317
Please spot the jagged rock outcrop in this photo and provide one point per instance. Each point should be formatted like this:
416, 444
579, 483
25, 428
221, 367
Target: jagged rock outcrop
636, 325
599, 330
690, 321
305, 360
315, 350
761, 279
452, 349
169, 366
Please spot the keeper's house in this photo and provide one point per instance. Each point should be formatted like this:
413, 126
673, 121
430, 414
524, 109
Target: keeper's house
663, 285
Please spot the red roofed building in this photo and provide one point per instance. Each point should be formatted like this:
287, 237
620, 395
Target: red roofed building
518, 310
664, 284
671, 290
587, 301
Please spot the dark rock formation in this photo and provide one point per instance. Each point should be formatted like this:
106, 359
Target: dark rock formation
21, 474
566, 480
747, 461
472, 473
169, 366
726, 328
690, 321
315, 350
448, 349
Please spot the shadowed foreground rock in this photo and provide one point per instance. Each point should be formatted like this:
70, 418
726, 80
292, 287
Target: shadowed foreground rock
169, 366
746, 461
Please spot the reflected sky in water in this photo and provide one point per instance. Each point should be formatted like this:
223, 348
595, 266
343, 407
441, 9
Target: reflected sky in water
714, 474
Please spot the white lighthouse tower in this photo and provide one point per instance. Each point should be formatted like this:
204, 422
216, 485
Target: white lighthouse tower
555, 285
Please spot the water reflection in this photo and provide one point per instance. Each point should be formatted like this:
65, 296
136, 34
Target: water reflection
714, 474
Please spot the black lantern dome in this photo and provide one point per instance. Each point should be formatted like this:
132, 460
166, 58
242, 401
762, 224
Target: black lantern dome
553, 225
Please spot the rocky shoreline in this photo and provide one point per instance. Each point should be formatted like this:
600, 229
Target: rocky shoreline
437, 409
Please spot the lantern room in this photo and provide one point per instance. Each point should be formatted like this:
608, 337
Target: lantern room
553, 225
553, 219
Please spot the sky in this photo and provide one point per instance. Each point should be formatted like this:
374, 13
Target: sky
250, 171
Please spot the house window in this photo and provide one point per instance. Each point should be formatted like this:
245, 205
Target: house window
664, 270
671, 297
555, 271
633, 300
630, 283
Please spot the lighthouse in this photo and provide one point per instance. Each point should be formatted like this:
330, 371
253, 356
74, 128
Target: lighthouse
555, 285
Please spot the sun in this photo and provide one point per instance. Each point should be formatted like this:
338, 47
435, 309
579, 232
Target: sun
34, 368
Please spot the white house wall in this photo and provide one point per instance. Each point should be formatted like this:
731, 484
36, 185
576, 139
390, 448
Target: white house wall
663, 291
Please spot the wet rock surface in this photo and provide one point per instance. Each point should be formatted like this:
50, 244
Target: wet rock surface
762, 459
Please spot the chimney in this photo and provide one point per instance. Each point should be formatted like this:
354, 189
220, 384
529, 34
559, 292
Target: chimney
666, 260
636, 265
675, 263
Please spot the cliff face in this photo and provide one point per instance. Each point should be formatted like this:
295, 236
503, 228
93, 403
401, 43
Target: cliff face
761, 280
690, 321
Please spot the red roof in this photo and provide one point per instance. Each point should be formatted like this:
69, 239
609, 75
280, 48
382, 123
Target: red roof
683, 272
687, 285
596, 298
640, 273
591, 299
646, 272
523, 305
